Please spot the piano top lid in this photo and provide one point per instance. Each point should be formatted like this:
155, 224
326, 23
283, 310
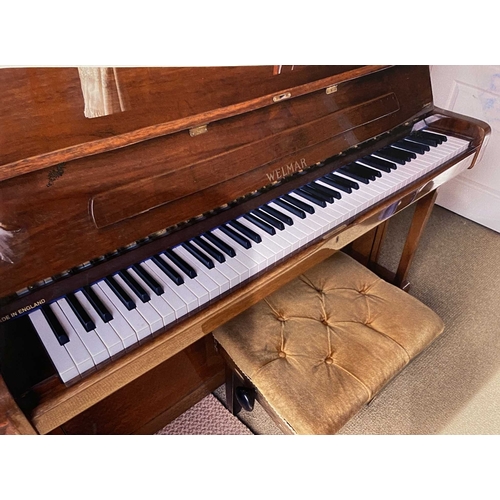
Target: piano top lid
54, 115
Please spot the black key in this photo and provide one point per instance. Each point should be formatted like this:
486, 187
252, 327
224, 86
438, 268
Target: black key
298, 203
120, 293
80, 312
431, 135
148, 279
342, 181
269, 219
410, 155
428, 141
246, 231
198, 255
313, 190
56, 327
368, 171
335, 184
396, 155
135, 287
327, 191
168, 270
221, 245
236, 236
260, 223
279, 215
212, 251
310, 196
351, 171
291, 208
384, 165
97, 304
181, 264
412, 146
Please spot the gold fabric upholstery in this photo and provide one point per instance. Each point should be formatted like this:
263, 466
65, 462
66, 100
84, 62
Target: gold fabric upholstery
322, 346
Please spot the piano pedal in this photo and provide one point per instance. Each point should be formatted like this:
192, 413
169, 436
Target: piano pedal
245, 397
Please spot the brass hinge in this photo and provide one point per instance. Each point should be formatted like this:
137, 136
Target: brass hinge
193, 132
331, 89
282, 97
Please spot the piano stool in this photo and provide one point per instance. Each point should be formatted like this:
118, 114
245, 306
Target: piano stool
318, 349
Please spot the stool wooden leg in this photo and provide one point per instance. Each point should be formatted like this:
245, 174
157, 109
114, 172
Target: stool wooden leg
231, 382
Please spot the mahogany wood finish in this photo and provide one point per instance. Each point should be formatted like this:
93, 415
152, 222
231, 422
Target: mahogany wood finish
156, 398
423, 209
104, 202
74, 189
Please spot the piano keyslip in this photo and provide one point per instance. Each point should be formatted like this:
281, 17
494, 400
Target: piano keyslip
195, 272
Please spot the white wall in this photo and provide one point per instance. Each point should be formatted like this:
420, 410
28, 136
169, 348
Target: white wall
473, 91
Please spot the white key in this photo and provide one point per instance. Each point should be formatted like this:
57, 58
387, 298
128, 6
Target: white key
233, 277
91, 340
162, 307
59, 356
110, 339
207, 283
278, 244
179, 297
307, 230
252, 264
268, 250
200, 292
118, 323
145, 309
134, 319
75, 347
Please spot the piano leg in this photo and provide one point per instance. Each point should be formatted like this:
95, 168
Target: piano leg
366, 249
423, 209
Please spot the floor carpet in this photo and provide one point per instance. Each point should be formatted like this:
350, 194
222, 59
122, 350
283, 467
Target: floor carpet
208, 417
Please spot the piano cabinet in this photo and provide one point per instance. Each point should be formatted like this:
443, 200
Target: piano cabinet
111, 187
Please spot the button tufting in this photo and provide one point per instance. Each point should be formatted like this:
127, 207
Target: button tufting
282, 354
329, 360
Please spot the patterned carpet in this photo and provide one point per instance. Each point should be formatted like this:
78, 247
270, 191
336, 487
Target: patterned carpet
208, 417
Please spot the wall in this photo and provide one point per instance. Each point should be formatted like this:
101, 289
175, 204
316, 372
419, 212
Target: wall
473, 91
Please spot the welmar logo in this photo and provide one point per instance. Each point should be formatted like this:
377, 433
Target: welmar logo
291, 168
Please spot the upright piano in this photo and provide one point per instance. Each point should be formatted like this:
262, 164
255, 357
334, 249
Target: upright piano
140, 208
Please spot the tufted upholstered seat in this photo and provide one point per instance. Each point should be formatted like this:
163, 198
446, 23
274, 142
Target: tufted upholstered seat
325, 344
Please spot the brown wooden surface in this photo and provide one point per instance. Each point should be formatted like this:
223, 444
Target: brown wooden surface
156, 398
45, 107
367, 247
67, 214
423, 210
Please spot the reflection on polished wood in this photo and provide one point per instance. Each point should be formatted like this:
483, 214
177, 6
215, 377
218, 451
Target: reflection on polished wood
103, 169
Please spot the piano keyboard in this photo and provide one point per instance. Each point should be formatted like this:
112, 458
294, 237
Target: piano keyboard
91, 325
